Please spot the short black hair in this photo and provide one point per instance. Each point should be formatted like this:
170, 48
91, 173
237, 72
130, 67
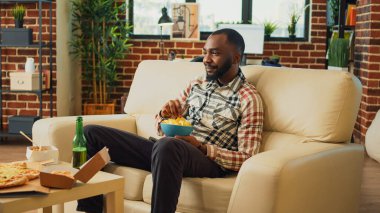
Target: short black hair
233, 37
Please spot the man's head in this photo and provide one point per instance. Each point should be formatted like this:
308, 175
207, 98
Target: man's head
222, 54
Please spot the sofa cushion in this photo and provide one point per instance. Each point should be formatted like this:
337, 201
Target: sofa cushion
199, 194
160, 81
145, 125
321, 105
134, 180
278, 140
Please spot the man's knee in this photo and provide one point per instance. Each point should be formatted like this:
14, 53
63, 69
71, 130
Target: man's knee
166, 147
89, 129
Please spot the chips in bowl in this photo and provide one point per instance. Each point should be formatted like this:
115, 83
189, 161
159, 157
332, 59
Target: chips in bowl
179, 126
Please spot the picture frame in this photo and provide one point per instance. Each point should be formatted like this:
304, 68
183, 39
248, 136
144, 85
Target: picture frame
185, 19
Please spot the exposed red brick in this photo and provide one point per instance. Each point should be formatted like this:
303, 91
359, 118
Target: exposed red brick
149, 57
307, 47
300, 53
149, 44
184, 44
194, 52
140, 50
27, 98
16, 104
28, 112
306, 60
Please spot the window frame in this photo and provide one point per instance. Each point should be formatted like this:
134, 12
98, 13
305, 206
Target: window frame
246, 17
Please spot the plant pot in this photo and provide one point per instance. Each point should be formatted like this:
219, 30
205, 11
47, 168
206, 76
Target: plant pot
16, 36
337, 68
99, 109
266, 37
292, 37
19, 23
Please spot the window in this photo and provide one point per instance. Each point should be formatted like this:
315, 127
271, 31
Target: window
144, 15
210, 14
280, 11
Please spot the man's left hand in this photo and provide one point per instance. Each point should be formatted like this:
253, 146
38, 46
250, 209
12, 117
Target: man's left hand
190, 139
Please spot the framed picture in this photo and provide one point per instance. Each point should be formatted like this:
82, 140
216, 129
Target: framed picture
185, 19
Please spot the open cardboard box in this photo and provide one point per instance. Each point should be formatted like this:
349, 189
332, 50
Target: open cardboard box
84, 174
43, 153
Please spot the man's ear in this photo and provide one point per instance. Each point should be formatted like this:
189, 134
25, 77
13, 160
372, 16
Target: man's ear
236, 58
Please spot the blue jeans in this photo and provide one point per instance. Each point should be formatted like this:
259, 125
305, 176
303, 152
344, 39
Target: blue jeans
169, 159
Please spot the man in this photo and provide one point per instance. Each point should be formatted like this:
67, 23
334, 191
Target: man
227, 115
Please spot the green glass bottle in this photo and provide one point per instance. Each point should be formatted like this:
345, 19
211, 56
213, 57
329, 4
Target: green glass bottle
79, 145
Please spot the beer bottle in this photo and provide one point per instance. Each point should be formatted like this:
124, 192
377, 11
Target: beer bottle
79, 145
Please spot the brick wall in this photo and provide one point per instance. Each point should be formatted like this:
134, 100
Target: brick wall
13, 59
293, 54
367, 62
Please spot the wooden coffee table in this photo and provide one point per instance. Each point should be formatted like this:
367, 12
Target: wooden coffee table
112, 186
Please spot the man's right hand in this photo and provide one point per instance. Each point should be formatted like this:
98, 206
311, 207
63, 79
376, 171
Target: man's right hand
172, 109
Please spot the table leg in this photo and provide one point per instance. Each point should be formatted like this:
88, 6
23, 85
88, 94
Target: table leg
47, 209
114, 201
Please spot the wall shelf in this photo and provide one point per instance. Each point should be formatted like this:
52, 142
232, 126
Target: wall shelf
39, 44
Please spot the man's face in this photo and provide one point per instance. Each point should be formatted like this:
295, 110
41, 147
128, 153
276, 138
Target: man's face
218, 56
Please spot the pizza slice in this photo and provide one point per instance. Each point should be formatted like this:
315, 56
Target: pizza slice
16, 174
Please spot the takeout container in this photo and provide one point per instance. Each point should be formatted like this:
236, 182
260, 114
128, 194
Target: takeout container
35, 154
172, 130
84, 174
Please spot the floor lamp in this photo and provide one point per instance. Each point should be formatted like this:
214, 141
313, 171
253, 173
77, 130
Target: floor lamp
164, 20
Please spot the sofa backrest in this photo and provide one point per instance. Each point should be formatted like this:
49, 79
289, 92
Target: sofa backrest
312, 105
321, 105
155, 82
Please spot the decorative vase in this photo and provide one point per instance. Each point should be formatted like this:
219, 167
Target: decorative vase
19, 23
29, 65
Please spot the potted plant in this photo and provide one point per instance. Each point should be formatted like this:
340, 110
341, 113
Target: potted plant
338, 54
100, 38
269, 28
295, 15
18, 13
17, 35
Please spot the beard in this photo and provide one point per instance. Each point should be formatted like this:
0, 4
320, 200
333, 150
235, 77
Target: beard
220, 71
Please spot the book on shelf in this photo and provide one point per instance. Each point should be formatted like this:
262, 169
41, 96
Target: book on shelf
351, 15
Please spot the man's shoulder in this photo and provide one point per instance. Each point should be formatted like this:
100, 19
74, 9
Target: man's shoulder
248, 91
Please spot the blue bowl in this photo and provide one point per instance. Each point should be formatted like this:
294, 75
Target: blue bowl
172, 130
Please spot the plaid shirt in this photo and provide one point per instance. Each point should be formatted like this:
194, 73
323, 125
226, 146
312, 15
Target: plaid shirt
227, 118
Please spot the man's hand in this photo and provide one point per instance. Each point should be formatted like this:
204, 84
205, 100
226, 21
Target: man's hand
193, 141
172, 108
190, 139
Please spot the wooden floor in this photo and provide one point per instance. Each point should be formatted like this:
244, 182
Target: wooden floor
14, 149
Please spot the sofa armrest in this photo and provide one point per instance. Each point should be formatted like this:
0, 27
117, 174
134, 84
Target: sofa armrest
59, 131
312, 177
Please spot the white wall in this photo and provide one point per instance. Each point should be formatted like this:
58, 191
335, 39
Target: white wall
68, 69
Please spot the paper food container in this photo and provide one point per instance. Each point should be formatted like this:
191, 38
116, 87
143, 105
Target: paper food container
45, 153
84, 174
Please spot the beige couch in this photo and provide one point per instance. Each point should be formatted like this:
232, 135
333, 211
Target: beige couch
306, 163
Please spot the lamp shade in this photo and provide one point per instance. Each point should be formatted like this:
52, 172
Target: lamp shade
165, 19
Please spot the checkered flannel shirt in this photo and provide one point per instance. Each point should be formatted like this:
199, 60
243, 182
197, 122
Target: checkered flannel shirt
227, 118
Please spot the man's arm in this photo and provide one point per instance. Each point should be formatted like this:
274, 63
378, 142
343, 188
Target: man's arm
249, 133
172, 108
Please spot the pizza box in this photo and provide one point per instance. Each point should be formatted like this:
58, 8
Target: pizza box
42, 153
84, 174
31, 186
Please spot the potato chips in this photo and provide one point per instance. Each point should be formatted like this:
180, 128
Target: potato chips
180, 121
